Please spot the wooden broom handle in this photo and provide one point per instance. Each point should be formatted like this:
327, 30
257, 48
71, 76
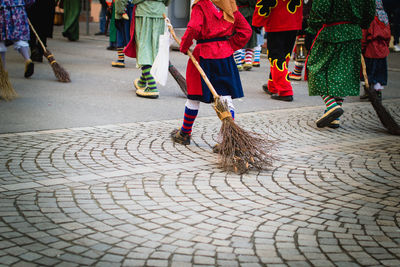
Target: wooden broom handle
37, 36
364, 71
195, 62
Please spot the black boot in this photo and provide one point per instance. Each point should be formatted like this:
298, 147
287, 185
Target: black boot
36, 55
365, 95
180, 137
379, 94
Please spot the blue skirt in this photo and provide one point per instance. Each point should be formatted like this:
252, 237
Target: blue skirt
223, 75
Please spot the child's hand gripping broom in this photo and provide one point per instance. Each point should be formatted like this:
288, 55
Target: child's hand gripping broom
386, 119
60, 73
7, 92
239, 149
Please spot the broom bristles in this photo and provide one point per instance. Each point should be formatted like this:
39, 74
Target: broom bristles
241, 150
7, 92
61, 74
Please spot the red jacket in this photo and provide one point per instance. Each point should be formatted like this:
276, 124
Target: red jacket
278, 15
375, 41
207, 22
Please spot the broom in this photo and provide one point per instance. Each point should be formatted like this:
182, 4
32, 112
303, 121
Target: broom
178, 78
239, 150
384, 116
60, 73
7, 92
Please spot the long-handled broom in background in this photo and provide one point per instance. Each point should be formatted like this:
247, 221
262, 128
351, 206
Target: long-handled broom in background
7, 92
61, 74
384, 116
239, 150
178, 78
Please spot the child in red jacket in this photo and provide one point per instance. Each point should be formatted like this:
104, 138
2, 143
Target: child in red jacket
219, 30
375, 48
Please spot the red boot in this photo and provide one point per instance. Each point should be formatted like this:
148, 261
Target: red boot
280, 79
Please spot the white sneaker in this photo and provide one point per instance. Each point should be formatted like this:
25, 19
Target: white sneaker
396, 48
378, 86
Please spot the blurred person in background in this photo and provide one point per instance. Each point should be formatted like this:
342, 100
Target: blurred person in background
14, 29
392, 8
72, 11
41, 15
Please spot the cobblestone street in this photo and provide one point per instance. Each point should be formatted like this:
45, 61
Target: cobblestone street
125, 195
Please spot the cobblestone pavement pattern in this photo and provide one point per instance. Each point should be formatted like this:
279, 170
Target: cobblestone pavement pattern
125, 195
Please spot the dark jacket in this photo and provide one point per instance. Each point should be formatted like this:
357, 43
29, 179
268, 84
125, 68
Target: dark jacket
41, 15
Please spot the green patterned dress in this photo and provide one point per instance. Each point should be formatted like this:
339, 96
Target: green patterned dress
334, 63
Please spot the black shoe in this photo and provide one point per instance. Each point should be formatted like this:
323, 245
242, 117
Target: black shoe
329, 116
29, 68
114, 48
334, 124
67, 35
288, 98
364, 96
265, 88
379, 95
179, 137
100, 33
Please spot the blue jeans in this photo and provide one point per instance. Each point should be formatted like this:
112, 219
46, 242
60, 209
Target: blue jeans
102, 19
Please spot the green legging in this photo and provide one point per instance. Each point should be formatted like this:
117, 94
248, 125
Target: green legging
72, 11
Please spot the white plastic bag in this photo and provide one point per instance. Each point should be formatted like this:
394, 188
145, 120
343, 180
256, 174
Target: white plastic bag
159, 70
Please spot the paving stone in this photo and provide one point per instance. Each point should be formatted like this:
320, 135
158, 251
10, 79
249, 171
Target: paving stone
112, 258
298, 264
125, 195
336, 257
346, 264
395, 262
24, 264
203, 260
8, 260
227, 263
30, 256
47, 261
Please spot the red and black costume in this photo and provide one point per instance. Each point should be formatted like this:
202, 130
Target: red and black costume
214, 42
281, 20
219, 29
